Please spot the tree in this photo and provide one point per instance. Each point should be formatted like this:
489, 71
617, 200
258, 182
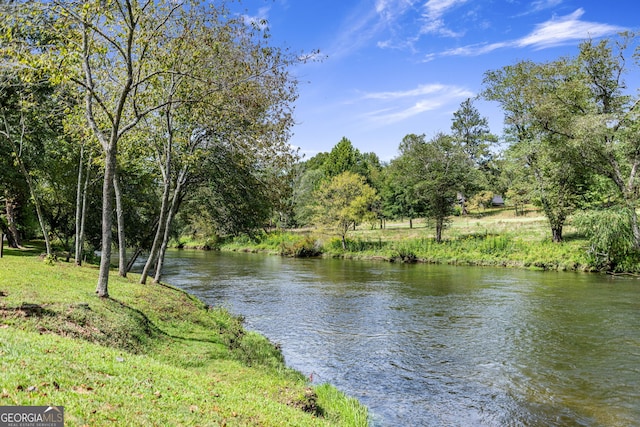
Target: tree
137, 60
471, 131
607, 133
400, 199
29, 111
435, 172
539, 101
342, 158
344, 202
242, 116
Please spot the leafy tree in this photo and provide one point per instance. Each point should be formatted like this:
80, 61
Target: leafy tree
607, 133
471, 131
342, 158
305, 186
538, 100
400, 199
137, 60
344, 202
435, 171
611, 239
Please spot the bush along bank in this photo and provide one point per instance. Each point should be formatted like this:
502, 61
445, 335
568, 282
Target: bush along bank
148, 355
475, 249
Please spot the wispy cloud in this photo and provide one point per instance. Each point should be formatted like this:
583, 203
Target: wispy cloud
434, 10
557, 31
397, 106
566, 29
539, 5
366, 23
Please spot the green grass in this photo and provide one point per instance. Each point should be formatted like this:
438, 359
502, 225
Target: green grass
495, 237
148, 355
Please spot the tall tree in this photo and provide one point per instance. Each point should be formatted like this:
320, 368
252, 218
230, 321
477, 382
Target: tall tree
539, 101
400, 200
607, 133
435, 171
471, 131
132, 51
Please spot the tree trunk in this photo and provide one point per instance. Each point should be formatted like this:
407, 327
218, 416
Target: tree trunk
155, 246
165, 243
173, 208
122, 244
635, 228
439, 227
133, 259
32, 190
556, 234
78, 254
83, 215
13, 236
410, 222
344, 243
107, 221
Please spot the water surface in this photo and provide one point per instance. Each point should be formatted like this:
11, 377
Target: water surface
425, 345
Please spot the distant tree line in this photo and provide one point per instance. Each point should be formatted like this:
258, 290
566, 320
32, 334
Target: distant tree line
571, 146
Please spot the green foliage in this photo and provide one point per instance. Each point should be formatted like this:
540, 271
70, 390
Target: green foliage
344, 202
432, 174
482, 200
611, 240
342, 158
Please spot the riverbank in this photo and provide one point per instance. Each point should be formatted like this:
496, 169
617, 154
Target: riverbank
493, 238
148, 355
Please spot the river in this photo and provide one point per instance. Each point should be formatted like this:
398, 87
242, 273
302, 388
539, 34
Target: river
425, 345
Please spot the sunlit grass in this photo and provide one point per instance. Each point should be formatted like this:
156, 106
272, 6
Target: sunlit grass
149, 355
493, 237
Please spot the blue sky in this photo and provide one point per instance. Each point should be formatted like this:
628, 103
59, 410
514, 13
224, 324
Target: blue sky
394, 67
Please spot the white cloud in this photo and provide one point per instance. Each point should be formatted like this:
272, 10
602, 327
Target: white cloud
564, 30
366, 23
433, 17
555, 32
402, 105
539, 5
420, 90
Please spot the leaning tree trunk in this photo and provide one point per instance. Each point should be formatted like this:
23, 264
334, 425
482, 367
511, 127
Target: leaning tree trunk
36, 202
32, 191
155, 246
165, 244
173, 208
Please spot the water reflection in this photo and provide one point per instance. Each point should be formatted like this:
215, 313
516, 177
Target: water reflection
437, 345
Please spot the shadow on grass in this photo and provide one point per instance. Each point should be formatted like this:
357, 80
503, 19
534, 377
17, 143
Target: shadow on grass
152, 329
28, 310
25, 251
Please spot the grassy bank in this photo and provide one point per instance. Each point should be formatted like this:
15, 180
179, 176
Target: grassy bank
491, 238
149, 355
